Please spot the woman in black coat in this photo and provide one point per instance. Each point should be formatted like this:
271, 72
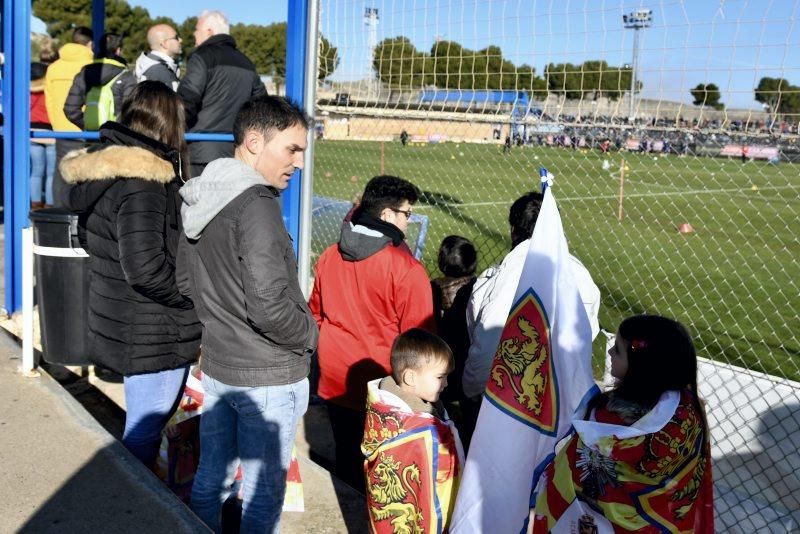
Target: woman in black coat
125, 191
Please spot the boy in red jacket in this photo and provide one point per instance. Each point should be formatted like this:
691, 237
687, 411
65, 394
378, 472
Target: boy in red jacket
368, 289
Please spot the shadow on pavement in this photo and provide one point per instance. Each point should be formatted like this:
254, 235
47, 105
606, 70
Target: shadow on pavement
111, 494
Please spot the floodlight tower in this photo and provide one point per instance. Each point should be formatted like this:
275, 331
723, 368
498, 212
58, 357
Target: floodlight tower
371, 21
636, 20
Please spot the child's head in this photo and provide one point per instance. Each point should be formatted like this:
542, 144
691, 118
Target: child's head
651, 355
421, 362
457, 257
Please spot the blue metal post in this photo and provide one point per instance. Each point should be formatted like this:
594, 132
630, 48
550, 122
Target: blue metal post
98, 22
296, 30
16, 145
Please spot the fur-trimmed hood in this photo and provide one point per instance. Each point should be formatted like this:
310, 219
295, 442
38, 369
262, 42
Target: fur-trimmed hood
122, 153
113, 161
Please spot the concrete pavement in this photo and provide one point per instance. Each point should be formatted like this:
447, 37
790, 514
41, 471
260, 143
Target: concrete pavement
62, 468
60, 471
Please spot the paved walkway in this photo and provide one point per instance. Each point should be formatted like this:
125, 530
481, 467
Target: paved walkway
62, 472
62, 468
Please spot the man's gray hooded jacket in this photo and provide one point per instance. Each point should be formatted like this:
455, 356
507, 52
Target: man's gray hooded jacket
237, 264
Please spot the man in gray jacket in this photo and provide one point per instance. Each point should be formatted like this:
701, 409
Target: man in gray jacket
238, 266
159, 63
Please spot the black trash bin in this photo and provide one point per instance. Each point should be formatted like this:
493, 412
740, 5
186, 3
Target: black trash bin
62, 286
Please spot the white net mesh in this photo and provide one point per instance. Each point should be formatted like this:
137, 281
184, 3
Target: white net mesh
682, 200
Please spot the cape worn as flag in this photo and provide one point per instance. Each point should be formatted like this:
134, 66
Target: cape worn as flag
412, 466
540, 374
649, 476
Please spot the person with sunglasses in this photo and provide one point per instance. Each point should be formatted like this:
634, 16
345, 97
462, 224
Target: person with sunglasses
368, 289
159, 63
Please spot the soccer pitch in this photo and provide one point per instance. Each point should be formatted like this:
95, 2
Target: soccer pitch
733, 281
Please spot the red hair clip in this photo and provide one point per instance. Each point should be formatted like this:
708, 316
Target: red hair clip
638, 344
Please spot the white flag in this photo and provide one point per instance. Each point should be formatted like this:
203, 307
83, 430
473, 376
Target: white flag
541, 373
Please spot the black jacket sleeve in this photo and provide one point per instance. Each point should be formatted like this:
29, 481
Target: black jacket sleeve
192, 87
184, 266
122, 88
76, 98
258, 87
161, 73
142, 248
272, 305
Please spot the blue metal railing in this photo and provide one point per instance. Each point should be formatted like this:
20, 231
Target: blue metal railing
92, 136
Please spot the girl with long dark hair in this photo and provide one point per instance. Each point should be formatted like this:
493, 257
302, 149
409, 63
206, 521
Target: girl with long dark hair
639, 458
125, 191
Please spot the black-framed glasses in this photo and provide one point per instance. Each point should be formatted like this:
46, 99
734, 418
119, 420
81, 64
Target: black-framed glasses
176, 37
407, 213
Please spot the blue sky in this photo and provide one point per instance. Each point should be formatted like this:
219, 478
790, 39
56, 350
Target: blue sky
732, 43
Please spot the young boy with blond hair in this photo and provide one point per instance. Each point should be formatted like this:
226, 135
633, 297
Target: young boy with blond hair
413, 454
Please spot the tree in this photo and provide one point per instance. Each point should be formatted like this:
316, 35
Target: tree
451, 69
63, 16
264, 45
455, 67
561, 78
590, 79
616, 81
707, 95
778, 95
328, 58
527, 80
399, 64
186, 31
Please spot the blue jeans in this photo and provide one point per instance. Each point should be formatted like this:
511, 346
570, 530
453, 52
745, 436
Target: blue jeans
150, 400
254, 425
43, 164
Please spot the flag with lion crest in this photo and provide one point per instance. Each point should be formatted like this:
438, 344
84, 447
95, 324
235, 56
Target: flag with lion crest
540, 374
412, 465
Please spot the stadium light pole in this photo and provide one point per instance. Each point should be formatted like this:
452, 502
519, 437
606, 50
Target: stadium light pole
636, 20
371, 20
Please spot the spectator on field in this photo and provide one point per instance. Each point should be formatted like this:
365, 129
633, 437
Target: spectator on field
494, 290
72, 57
219, 79
159, 63
89, 103
458, 260
43, 151
238, 265
125, 192
368, 289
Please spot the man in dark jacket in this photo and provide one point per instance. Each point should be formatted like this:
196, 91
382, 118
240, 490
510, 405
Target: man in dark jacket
109, 67
218, 80
238, 266
159, 63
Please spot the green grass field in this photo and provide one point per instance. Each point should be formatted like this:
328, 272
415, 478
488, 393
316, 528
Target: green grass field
734, 281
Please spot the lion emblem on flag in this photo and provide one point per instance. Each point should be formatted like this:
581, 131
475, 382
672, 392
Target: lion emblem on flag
389, 489
521, 381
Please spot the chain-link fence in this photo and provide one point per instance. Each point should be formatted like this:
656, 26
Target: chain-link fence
685, 210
